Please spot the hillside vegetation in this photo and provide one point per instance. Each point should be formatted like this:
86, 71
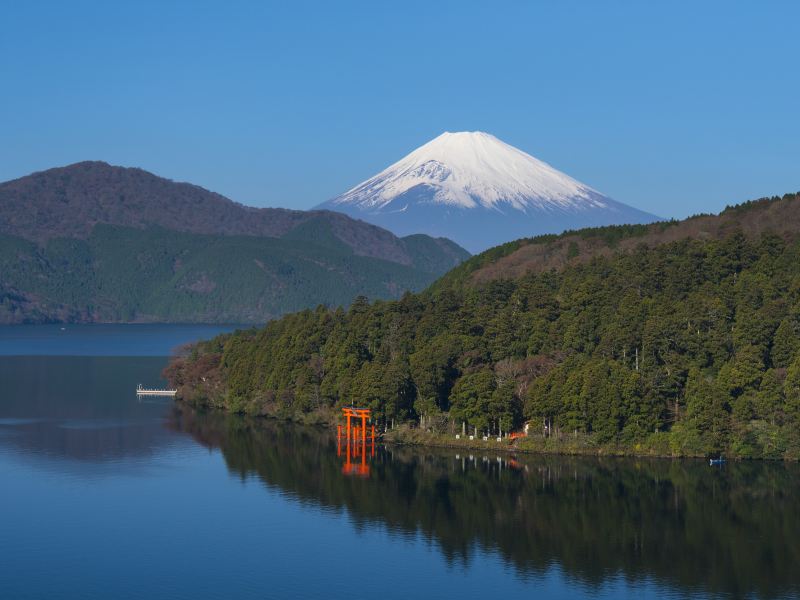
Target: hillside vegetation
67, 202
122, 274
91, 242
686, 347
777, 215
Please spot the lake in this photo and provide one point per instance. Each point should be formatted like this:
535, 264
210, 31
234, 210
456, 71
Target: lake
106, 496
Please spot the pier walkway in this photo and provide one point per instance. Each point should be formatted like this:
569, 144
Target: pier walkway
142, 391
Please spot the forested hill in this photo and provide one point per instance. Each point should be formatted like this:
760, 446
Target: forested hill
684, 345
538, 254
67, 202
96, 243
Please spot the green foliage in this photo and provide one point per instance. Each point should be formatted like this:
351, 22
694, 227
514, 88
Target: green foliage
472, 399
125, 274
791, 390
786, 344
434, 255
705, 427
687, 347
573, 250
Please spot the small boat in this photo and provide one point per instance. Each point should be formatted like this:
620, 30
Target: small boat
716, 461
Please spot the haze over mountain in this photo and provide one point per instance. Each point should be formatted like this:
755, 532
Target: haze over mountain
94, 242
480, 192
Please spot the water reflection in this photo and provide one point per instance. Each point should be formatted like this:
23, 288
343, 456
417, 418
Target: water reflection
80, 408
357, 441
611, 526
695, 529
355, 455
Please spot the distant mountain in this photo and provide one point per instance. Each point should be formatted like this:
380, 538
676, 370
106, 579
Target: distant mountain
480, 192
69, 201
97, 243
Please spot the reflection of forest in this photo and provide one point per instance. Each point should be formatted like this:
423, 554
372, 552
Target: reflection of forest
734, 530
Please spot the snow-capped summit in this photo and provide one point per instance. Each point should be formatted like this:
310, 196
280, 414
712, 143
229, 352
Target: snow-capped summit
471, 169
478, 191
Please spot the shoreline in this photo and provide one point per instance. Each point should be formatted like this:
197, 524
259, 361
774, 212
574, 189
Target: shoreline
532, 445
566, 445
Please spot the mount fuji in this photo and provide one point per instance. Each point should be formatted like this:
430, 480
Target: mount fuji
480, 192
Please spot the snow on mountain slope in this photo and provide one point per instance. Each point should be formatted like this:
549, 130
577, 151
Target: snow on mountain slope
480, 192
470, 170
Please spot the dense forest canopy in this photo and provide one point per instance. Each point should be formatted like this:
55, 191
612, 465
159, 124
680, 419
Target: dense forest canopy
125, 274
688, 347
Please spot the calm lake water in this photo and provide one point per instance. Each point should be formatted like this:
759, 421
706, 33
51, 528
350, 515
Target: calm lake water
104, 496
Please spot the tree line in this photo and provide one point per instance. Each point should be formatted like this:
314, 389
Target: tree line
690, 348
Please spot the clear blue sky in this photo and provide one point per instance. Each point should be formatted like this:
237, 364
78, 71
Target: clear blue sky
675, 108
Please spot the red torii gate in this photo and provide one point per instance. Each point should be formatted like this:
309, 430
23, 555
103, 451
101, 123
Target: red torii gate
357, 413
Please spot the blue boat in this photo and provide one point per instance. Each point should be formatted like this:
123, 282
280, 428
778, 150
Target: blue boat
716, 461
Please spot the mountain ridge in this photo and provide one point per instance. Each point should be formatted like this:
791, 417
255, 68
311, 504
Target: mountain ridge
779, 215
95, 243
480, 191
69, 201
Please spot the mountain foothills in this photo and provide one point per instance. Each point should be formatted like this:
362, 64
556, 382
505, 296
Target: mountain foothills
479, 191
676, 338
93, 242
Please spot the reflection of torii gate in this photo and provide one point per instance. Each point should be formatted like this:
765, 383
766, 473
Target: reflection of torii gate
352, 434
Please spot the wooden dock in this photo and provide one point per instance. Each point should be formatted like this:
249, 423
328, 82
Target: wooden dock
143, 391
